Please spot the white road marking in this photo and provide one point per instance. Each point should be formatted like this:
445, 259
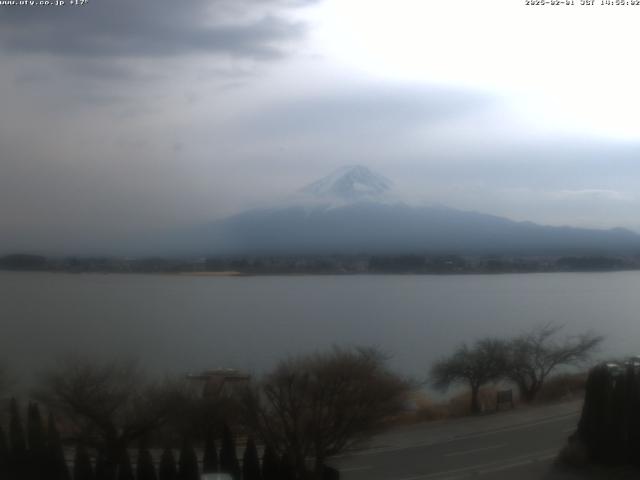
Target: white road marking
474, 450
489, 467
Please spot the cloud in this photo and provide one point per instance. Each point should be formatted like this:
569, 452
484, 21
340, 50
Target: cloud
155, 28
593, 194
351, 111
126, 116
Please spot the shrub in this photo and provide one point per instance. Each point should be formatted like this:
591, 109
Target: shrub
82, 469
562, 386
270, 465
145, 469
427, 410
57, 464
188, 463
125, 472
351, 390
210, 459
228, 457
250, 462
167, 470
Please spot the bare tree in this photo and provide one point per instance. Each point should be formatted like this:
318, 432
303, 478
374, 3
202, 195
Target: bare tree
316, 406
477, 365
108, 404
535, 354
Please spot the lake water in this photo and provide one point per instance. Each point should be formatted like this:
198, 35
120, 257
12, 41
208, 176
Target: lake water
175, 324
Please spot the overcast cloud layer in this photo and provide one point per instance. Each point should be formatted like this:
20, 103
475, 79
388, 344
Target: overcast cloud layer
120, 118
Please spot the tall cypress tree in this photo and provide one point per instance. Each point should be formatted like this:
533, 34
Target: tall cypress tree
125, 472
228, 457
18, 460
106, 467
270, 464
188, 463
102, 471
210, 458
82, 469
250, 462
167, 469
145, 469
37, 444
17, 442
286, 468
56, 463
4, 455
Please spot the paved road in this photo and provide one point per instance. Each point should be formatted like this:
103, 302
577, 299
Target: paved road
520, 444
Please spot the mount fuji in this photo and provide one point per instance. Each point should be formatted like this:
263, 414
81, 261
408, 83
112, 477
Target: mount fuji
350, 184
355, 211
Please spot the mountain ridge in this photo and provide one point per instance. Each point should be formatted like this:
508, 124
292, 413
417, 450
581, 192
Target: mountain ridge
356, 211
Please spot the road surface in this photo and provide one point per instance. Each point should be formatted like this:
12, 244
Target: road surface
520, 444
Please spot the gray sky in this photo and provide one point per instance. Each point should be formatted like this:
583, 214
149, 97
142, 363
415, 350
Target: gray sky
120, 117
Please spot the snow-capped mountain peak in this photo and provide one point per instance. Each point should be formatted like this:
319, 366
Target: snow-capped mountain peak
350, 183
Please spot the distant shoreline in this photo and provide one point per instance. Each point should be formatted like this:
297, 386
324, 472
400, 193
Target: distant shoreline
230, 274
344, 264
227, 273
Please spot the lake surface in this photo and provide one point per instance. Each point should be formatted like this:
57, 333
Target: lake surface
176, 324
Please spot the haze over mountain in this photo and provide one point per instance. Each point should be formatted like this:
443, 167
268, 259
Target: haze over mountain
184, 114
356, 211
